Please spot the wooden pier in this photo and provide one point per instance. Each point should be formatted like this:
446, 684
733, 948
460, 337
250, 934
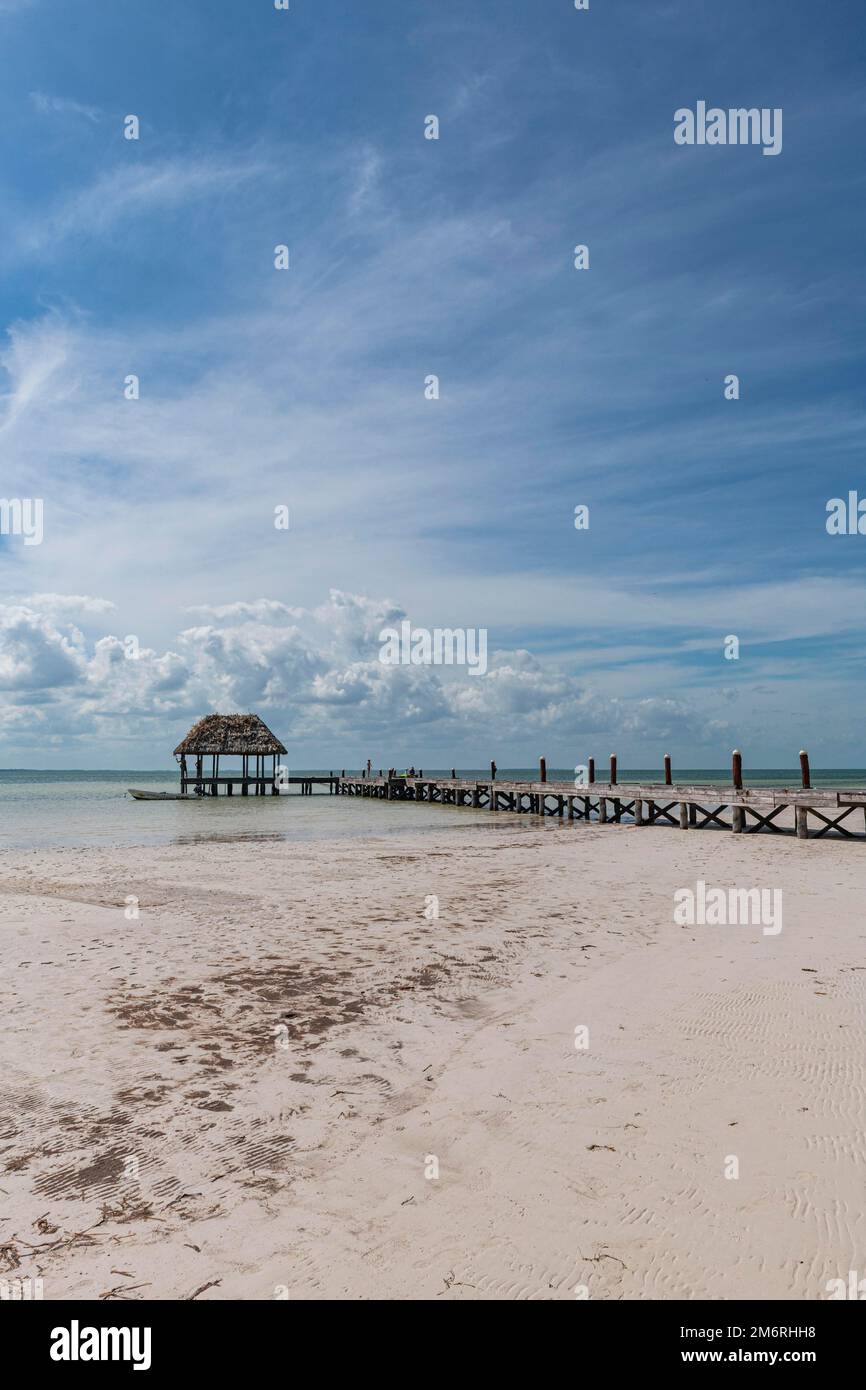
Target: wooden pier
736, 807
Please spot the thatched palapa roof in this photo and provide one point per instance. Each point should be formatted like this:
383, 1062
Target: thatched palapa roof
232, 734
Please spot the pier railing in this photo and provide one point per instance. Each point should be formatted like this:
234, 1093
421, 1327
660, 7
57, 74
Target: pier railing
733, 807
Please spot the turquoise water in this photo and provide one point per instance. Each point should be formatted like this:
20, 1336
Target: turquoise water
40, 809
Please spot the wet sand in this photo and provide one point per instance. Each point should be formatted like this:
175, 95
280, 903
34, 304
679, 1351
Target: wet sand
247, 1089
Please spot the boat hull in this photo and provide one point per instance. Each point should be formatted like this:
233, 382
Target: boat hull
159, 796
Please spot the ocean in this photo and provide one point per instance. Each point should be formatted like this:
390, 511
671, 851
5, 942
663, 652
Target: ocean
43, 809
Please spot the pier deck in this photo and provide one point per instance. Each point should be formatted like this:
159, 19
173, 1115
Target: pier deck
687, 806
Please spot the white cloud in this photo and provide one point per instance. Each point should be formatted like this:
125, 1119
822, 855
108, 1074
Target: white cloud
320, 678
260, 610
126, 191
64, 106
69, 603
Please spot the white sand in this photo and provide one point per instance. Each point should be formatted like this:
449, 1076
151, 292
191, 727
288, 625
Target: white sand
150, 1043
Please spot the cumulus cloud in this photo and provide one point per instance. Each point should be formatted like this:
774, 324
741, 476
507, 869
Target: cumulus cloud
69, 603
36, 654
316, 674
259, 610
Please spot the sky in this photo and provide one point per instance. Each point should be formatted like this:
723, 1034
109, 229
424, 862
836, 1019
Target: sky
409, 257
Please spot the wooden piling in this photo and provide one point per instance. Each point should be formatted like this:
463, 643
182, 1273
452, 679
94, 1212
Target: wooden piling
738, 815
751, 809
801, 815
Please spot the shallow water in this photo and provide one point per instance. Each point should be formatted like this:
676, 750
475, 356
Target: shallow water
39, 809
65, 810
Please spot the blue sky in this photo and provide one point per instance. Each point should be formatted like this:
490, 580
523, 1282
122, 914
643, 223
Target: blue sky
411, 257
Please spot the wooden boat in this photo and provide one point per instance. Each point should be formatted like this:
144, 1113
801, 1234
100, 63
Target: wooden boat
159, 796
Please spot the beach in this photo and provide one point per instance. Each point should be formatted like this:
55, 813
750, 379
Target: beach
237, 1068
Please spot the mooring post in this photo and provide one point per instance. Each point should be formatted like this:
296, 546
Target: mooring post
668, 773
738, 815
493, 772
602, 809
684, 815
613, 769
801, 815
542, 769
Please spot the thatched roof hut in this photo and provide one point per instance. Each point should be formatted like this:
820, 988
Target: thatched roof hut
242, 736
230, 734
